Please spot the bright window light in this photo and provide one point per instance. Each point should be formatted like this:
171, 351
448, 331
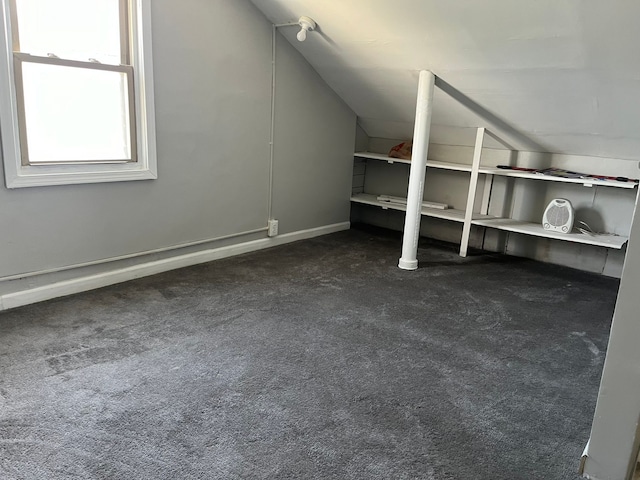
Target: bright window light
75, 114
71, 29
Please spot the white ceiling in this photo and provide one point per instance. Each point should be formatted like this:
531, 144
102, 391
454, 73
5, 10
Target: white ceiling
559, 76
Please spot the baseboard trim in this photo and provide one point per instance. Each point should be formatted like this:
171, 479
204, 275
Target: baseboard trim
91, 282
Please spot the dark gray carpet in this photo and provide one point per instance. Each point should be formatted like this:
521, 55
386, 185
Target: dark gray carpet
319, 359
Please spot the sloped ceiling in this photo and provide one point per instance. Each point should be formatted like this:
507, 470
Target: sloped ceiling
558, 76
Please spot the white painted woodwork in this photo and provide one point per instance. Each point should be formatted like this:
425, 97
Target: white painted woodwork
612, 451
505, 224
471, 194
430, 163
589, 182
445, 214
83, 283
415, 192
145, 168
536, 230
616, 224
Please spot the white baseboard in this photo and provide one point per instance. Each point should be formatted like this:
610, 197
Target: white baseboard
82, 284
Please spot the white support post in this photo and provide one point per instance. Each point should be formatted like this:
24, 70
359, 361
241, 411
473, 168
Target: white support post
612, 451
421, 130
471, 195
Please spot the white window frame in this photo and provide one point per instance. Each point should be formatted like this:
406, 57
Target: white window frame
18, 175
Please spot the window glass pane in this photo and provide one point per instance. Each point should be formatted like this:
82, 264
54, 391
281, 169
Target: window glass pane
71, 29
75, 114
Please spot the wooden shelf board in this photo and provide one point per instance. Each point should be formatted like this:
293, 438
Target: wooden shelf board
369, 199
506, 224
550, 178
381, 157
448, 214
536, 230
445, 214
430, 163
461, 167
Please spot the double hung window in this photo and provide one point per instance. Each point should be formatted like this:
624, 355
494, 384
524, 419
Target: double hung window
77, 103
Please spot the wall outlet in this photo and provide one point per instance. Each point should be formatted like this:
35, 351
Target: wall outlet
273, 228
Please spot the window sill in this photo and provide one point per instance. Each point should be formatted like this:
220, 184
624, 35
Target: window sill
38, 176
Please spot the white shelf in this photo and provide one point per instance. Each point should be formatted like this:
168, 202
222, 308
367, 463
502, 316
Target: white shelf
550, 178
445, 214
536, 230
369, 199
504, 224
381, 156
461, 167
430, 163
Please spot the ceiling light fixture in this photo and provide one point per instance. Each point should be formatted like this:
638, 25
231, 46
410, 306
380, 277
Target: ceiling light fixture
306, 25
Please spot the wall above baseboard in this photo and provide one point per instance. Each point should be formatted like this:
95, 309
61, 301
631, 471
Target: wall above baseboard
83, 283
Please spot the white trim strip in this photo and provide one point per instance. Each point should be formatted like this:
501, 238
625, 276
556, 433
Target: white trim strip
18, 276
82, 284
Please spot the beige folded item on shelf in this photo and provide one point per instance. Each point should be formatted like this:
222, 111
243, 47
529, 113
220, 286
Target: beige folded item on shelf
402, 150
403, 201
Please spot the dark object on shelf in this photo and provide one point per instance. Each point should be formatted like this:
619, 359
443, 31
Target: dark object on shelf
559, 172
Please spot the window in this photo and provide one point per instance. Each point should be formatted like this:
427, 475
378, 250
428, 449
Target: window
76, 97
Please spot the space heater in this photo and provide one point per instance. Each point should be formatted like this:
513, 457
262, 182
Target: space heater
558, 216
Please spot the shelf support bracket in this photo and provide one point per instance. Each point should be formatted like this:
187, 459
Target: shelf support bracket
471, 195
415, 193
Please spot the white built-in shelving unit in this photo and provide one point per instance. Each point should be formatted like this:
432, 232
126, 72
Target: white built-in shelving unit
479, 216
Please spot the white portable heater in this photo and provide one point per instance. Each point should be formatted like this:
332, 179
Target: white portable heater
558, 216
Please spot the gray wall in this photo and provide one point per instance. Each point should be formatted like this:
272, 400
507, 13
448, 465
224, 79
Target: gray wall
314, 139
212, 74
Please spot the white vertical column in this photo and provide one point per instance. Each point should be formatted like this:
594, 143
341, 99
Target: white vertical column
471, 194
421, 131
615, 433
